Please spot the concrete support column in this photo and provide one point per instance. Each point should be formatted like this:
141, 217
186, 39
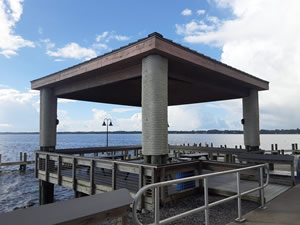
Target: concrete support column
155, 109
48, 118
251, 121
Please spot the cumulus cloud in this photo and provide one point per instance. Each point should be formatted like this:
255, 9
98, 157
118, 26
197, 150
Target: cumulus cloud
186, 12
10, 14
262, 42
131, 123
122, 110
101, 46
48, 43
121, 38
102, 36
73, 51
201, 12
18, 110
107, 36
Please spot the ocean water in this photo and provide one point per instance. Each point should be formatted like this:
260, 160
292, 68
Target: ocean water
20, 189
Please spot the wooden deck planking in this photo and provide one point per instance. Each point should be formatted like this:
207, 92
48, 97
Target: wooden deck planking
227, 183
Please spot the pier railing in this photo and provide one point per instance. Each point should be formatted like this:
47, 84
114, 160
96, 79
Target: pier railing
156, 187
91, 175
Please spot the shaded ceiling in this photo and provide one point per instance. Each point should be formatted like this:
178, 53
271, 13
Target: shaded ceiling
115, 77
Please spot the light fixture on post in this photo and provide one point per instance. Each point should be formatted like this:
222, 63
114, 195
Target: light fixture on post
107, 122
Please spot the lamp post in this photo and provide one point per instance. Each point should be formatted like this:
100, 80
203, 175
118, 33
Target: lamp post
107, 122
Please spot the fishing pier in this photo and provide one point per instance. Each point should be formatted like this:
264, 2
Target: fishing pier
152, 73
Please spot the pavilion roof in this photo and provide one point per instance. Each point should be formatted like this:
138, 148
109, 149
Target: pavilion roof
115, 77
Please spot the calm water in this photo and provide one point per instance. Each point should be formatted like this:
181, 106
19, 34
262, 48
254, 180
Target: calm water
18, 189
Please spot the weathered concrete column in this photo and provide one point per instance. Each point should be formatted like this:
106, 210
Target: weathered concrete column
155, 109
251, 121
48, 118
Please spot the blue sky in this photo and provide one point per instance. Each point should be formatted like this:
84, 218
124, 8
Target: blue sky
38, 38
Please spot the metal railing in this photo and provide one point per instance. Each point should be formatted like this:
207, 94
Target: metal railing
206, 205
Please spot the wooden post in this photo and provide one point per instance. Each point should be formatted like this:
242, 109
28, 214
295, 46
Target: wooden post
272, 147
233, 158
163, 190
25, 160
141, 181
0, 158
293, 173
113, 176
74, 174
21, 159
59, 170
92, 173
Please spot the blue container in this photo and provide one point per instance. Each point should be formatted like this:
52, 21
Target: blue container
185, 185
298, 175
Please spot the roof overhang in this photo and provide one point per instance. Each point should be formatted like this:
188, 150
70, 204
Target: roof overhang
115, 77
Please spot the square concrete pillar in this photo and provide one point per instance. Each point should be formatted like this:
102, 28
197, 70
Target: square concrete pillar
251, 121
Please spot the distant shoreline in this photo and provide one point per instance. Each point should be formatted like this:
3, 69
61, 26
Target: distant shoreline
263, 131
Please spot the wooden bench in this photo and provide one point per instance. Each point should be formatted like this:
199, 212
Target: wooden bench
92, 210
279, 159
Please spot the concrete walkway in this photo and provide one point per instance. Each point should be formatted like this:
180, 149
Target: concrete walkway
283, 210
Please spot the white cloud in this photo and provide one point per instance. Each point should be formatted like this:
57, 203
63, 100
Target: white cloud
134, 123
5, 125
101, 46
121, 38
64, 100
18, 110
10, 13
186, 12
201, 12
184, 117
107, 36
101, 36
193, 27
263, 43
122, 110
48, 43
73, 51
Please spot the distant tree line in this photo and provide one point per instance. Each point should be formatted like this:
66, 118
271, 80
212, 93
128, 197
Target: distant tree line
214, 131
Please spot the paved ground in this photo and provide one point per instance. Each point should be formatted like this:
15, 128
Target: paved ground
283, 210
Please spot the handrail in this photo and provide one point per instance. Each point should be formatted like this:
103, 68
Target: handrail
94, 159
207, 205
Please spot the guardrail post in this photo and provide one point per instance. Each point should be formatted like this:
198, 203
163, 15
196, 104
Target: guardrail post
206, 211
262, 193
59, 167
113, 176
74, 186
92, 176
239, 219
156, 209
36, 165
